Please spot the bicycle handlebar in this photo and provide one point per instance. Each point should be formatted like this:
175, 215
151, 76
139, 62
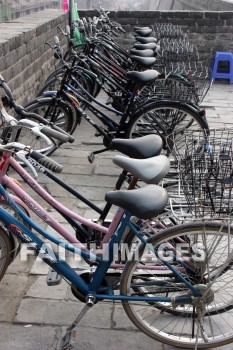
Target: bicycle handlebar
51, 130
46, 161
57, 135
21, 150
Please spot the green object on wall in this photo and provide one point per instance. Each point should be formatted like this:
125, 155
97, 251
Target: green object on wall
74, 16
5, 13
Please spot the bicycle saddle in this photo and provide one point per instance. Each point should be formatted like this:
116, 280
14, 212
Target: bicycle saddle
142, 53
144, 61
143, 147
150, 170
150, 46
146, 76
143, 31
145, 202
146, 40
135, 28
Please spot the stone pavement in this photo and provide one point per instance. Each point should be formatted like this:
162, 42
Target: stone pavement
34, 316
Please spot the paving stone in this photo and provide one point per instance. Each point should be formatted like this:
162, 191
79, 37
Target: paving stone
58, 292
57, 312
28, 337
20, 266
120, 319
12, 289
101, 339
106, 326
111, 171
91, 181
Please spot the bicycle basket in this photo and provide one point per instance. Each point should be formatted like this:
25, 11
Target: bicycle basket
206, 171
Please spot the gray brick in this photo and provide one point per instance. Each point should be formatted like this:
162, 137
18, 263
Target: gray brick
21, 51
27, 338
210, 22
56, 312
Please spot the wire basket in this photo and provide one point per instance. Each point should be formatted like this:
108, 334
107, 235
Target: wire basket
206, 170
181, 82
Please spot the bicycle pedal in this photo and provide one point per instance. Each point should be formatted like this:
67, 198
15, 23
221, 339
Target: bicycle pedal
91, 158
109, 101
53, 278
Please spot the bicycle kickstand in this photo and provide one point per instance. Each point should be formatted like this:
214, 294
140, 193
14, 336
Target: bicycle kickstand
91, 156
68, 342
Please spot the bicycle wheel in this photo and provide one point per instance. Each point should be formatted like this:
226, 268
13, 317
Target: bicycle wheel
202, 254
170, 120
52, 110
15, 244
58, 113
26, 136
5, 251
53, 83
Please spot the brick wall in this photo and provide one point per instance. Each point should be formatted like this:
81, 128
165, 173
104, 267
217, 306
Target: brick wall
210, 31
198, 5
25, 60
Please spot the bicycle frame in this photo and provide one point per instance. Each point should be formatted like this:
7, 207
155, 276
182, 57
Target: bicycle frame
112, 126
26, 236
24, 198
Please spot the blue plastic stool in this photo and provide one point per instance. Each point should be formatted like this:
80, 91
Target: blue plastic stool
222, 56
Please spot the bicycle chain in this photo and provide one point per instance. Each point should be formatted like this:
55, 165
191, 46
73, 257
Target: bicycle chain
169, 290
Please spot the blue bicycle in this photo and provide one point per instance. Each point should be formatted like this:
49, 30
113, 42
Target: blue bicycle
176, 286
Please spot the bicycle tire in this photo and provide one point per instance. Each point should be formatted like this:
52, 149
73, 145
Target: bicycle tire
178, 329
169, 119
15, 243
53, 83
5, 252
52, 110
37, 143
55, 111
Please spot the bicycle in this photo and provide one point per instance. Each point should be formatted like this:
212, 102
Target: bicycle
161, 117
184, 269
32, 133
149, 171
171, 58
174, 81
147, 147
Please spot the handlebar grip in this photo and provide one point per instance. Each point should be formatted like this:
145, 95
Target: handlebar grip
7, 90
46, 161
57, 48
114, 32
56, 40
57, 135
121, 29
68, 29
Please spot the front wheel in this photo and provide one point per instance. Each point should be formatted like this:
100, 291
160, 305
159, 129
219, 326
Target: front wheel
5, 251
168, 119
202, 254
53, 111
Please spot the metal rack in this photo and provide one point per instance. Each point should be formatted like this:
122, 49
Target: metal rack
206, 172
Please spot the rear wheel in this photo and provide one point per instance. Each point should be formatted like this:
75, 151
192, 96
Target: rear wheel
52, 110
168, 119
5, 251
202, 253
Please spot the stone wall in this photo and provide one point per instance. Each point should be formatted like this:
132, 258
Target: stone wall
25, 60
205, 5
210, 31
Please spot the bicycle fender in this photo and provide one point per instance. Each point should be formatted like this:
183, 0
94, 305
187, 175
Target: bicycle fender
49, 93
